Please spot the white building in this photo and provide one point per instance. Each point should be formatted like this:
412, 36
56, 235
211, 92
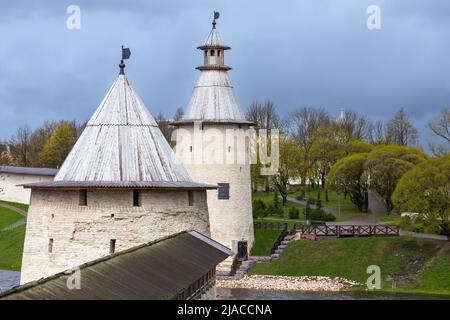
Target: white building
12, 177
120, 186
212, 110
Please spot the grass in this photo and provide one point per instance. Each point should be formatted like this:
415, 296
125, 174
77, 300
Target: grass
8, 217
268, 198
333, 203
391, 218
350, 257
438, 272
21, 206
264, 240
11, 241
11, 248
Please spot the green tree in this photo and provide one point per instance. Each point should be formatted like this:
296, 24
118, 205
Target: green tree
349, 176
58, 145
264, 116
326, 149
358, 146
288, 166
386, 164
426, 189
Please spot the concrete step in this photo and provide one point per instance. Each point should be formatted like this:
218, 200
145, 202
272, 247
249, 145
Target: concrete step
282, 246
285, 242
260, 258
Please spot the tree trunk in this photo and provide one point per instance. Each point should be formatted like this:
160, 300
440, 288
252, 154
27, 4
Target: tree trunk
326, 195
284, 196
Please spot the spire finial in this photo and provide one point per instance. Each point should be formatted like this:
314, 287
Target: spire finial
216, 16
125, 55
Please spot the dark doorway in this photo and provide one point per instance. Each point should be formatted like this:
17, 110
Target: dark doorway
242, 250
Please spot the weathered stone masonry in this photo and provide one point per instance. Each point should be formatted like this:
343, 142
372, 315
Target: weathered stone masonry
83, 233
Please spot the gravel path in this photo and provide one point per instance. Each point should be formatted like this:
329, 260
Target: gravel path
304, 283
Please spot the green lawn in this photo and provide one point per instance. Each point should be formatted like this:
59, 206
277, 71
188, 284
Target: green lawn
11, 247
391, 218
11, 241
333, 203
264, 240
436, 275
8, 217
350, 257
21, 206
268, 200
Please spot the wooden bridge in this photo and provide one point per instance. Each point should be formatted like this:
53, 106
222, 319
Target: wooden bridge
318, 231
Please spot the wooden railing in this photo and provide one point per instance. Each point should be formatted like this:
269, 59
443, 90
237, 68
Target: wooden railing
351, 230
268, 225
280, 238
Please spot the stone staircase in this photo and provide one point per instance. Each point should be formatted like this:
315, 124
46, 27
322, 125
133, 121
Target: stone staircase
238, 270
287, 239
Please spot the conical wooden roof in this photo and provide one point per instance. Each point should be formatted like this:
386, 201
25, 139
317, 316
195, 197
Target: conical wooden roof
122, 143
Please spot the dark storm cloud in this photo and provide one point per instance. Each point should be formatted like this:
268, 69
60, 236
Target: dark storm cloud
297, 53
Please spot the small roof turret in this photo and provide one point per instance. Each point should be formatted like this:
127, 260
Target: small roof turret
213, 41
213, 99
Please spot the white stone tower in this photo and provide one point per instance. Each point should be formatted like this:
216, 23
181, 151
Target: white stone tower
216, 156
120, 186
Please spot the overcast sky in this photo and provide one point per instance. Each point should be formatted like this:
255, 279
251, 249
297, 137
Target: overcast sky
296, 53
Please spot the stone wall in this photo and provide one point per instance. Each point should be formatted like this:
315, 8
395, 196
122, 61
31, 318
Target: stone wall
231, 220
9, 191
82, 233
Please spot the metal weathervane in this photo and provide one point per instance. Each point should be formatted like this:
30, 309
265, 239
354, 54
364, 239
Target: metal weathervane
216, 16
126, 52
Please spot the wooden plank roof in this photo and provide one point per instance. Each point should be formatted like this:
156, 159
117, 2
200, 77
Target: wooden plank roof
122, 142
156, 270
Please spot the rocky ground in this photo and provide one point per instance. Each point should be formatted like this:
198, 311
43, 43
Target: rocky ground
264, 282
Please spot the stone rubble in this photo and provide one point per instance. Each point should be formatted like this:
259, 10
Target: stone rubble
303, 283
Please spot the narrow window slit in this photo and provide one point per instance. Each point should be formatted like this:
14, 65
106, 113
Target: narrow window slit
136, 198
50, 245
83, 198
112, 246
191, 198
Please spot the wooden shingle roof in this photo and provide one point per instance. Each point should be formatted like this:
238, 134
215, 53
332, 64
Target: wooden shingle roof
157, 270
122, 142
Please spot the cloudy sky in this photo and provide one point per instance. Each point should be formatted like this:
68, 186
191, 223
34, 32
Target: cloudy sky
295, 52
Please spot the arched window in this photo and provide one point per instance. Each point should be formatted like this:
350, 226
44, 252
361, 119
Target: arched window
212, 53
218, 53
206, 53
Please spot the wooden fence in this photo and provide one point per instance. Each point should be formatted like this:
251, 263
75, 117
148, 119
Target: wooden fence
270, 225
351, 230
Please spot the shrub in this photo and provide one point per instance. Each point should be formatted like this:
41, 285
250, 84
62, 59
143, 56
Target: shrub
319, 204
276, 200
294, 213
321, 215
259, 208
279, 212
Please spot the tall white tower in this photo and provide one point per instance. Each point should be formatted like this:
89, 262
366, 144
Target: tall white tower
211, 148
